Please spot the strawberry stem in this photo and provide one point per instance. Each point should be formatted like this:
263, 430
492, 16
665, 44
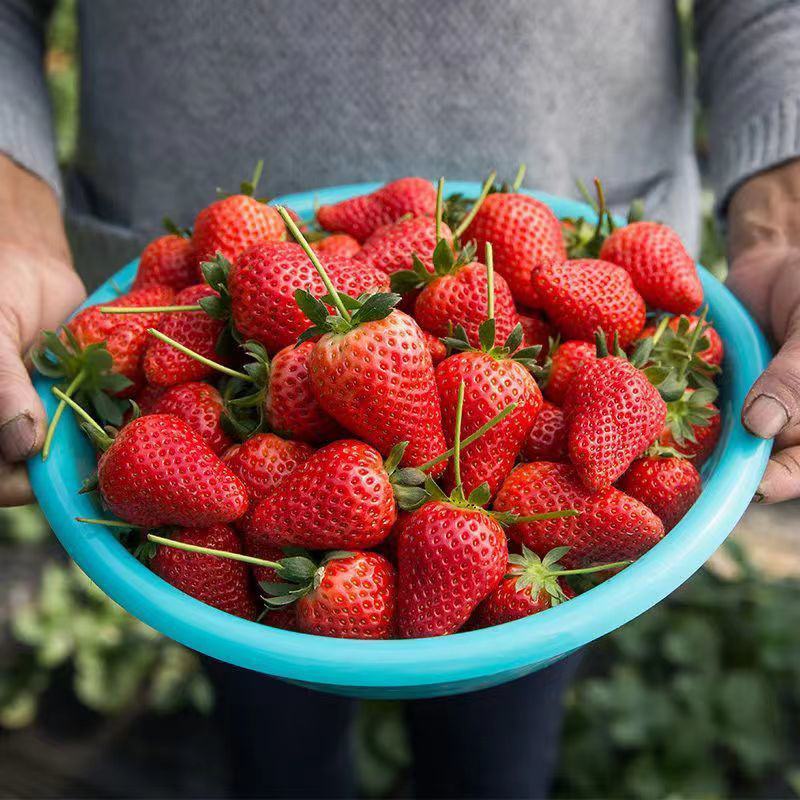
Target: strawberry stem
147, 309
487, 426
197, 357
439, 192
457, 437
111, 523
209, 551
487, 184
522, 169
51, 428
301, 240
489, 281
101, 435
587, 570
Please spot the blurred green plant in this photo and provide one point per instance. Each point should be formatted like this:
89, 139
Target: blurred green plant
61, 67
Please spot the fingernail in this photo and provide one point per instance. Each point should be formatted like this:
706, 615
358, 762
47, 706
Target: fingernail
765, 416
758, 497
18, 438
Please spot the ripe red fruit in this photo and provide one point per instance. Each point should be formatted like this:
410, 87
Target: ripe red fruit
436, 347
449, 558
158, 471
668, 486
547, 438
524, 234
377, 380
565, 360
536, 331
264, 279
166, 366
339, 498
167, 261
661, 269
610, 526
290, 405
693, 426
583, 295
232, 224
613, 415
414, 196
200, 406
338, 244
219, 582
392, 247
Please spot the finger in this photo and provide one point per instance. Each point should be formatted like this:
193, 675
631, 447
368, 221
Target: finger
15, 489
22, 416
773, 404
781, 481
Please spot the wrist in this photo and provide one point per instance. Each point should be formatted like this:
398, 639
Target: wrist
30, 215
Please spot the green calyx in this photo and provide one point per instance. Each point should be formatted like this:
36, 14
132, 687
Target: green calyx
248, 188
170, 226
243, 397
99, 436
366, 308
299, 574
445, 262
690, 411
536, 575
459, 342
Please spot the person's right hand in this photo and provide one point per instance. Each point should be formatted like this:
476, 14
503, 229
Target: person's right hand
38, 289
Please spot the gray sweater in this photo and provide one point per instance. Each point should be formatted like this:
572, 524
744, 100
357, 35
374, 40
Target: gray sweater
179, 97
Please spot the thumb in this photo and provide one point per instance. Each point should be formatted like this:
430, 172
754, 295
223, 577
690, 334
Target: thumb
22, 416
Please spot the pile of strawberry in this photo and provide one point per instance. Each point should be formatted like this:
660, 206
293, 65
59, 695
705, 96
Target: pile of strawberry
404, 418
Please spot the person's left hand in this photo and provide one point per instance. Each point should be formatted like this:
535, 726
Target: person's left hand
764, 252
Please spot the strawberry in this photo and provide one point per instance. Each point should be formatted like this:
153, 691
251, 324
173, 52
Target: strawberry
349, 596
610, 526
392, 248
660, 268
264, 278
338, 244
219, 582
290, 405
158, 471
167, 261
234, 223
613, 414
361, 216
200, 406
693, 425
340, 497
536, 331
279, 617
566, 359
715, 352
668, 486
547, 438
147, 396
581, 296
455, 294
166, 366
436, 347
524, 234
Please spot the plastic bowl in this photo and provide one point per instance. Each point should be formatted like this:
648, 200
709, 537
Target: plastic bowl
423, 667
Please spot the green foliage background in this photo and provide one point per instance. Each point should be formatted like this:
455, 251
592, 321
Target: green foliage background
697, 698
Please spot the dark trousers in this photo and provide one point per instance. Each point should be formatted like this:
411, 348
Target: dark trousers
289, 742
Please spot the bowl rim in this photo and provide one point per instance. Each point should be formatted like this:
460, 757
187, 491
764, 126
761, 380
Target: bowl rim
538, 639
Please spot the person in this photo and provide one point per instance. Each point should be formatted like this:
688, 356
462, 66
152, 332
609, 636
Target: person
180, 97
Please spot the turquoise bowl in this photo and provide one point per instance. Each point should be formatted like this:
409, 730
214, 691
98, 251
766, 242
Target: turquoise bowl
423, 667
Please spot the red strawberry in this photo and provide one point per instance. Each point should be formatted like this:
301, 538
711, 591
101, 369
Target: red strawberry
158, 471
581, 296
280, 617
715, 352
493, 379
200, 406
661, 269
392, 247
449, 559
349, 596
565, 360
219, 582
414, 196
338, 244
693, 426
668, 486
536, 331
147, 396
547, 438
167, 261
613, 414
524, 233
264, 278
436, 347
610, 526
339, 498
290, 405
531, 585
166, 366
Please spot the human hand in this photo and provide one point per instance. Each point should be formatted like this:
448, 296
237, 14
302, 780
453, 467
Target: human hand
38, 289
764, 250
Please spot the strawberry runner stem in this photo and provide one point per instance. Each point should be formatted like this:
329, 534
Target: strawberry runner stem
51, 428
457, 436
464, 224
523, 168
210, 551
148, 309
197, 357
489, 281
439, 192
84, 415
301, 240
597, 568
